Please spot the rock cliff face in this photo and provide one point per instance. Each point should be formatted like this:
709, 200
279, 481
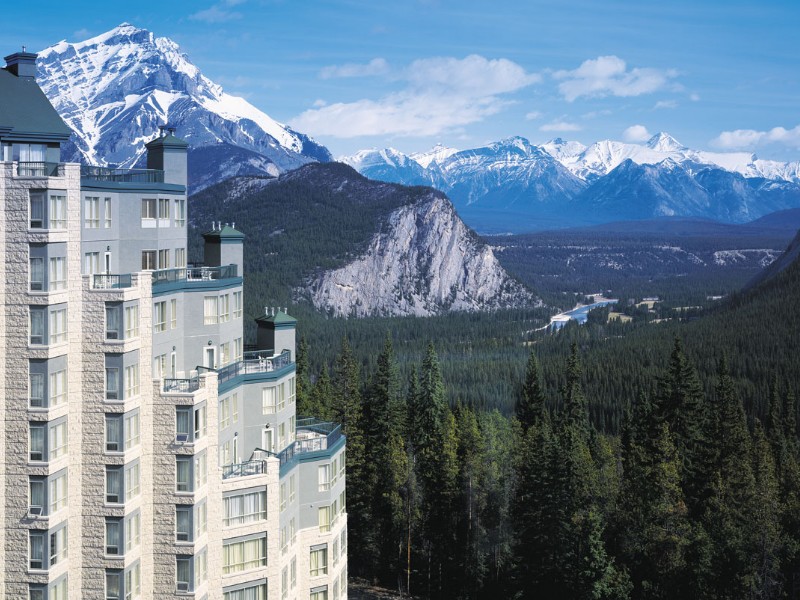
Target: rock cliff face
423, 262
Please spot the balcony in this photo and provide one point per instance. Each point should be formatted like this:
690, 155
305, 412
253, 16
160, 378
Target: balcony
39, 169
107, 281
194, 274
182, 386
258, 361
312, 435
251, 467
122, 175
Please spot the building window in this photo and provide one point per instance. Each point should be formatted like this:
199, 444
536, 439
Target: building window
36, 545
324, 513
210, 314
292, 489
200, 425
292, 531
319, 593
224, 308
37, 449
163, 210
113, 321
149, 260
284, 540
114, 536
114, 433
37, 498
183, 473
36, 210
200, 470
131, 321
200, 519
245, 508
58, 388
132, 381
148, 211
173, 305
343, 541
132, 481
258, 592
133, 528
318, 560
283, 497
91, 263
36, 390
243, 556
268, 397
237, 349
91, 213
183, 419
58, 212
59, 590
112, 384
341, 503
132, 436
36, 274
285, 582
107, 211
133, 582
324, 478
180, 257
58, 492
113, 587
58, 325
183, 523
224, 353
159, 366
293, 572
37, 324
183, 573
58, 546
159, 317
200, 568
237, 305
114, 491
180, 212
163, 259
58, 274
58, 440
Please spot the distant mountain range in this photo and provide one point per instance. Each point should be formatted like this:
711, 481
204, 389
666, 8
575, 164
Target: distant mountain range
516, 186
115, 89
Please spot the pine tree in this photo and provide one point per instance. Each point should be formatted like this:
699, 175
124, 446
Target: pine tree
575, 405
320, 399
530, 405
303, 385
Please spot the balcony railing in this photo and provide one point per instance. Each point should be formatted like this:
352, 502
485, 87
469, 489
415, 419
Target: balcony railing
182, 386
259, 361
122, 175
194, 274
312, 435
107, 281
251, 467
39, 169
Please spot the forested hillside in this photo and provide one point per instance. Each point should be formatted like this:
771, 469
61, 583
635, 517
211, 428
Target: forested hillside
661, 464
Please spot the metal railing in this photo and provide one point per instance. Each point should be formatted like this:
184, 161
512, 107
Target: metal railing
194, 274
122, 175
182, 386
327, 434
260, 361
39, 169
251, 467
106, 281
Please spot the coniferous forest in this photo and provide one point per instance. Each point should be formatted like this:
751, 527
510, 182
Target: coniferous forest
692, 494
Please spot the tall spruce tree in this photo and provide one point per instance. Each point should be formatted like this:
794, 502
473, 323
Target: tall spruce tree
530, 405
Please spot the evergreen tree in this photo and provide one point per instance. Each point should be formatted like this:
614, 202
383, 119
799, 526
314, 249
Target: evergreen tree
303, 380
320, 399
530, 405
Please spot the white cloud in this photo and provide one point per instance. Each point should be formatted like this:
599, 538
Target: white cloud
636, 133
749, 138
610, 76
533, 115
666, 104
560, 126
319, 102
377, 66
694, 97
219, 13
440, 94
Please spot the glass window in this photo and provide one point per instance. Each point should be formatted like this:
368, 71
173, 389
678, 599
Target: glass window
149, 260
113, 536
159, 317
113, 321
113, 584
58, 440
183, 523
132, 481
180, 257
58, 492
36, 210
245, 508
58, 273
36, 549
242, 556
58, 212
131, 322
183, 577
36, 442
324, 478
37, 324
200, 519
200, 470
257, 592
36, 390
237, 305
107, 211
163, 259
173, 305
210, 314
58, 387
114, 490
200, 426
133, 531
58, 325
91, 213
132, 435
149, 208
112, 383
132, 381
133, 582
183, 473
324, 513
59, 590
224, 308
183, 419
36, 274
37, 502
180, 212
91, 263
163, 208
318, 561
58, 546
114, 433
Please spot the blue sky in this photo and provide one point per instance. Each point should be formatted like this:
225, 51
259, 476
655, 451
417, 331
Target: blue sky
355, 74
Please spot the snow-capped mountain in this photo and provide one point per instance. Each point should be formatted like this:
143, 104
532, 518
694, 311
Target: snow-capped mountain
388, 165
114, 90
514, 185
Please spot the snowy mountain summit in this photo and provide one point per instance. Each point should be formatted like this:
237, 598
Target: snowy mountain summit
114, 90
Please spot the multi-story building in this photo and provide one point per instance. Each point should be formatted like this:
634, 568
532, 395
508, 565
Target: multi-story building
145, 451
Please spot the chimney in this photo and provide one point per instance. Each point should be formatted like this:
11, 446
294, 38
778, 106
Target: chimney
22, 64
